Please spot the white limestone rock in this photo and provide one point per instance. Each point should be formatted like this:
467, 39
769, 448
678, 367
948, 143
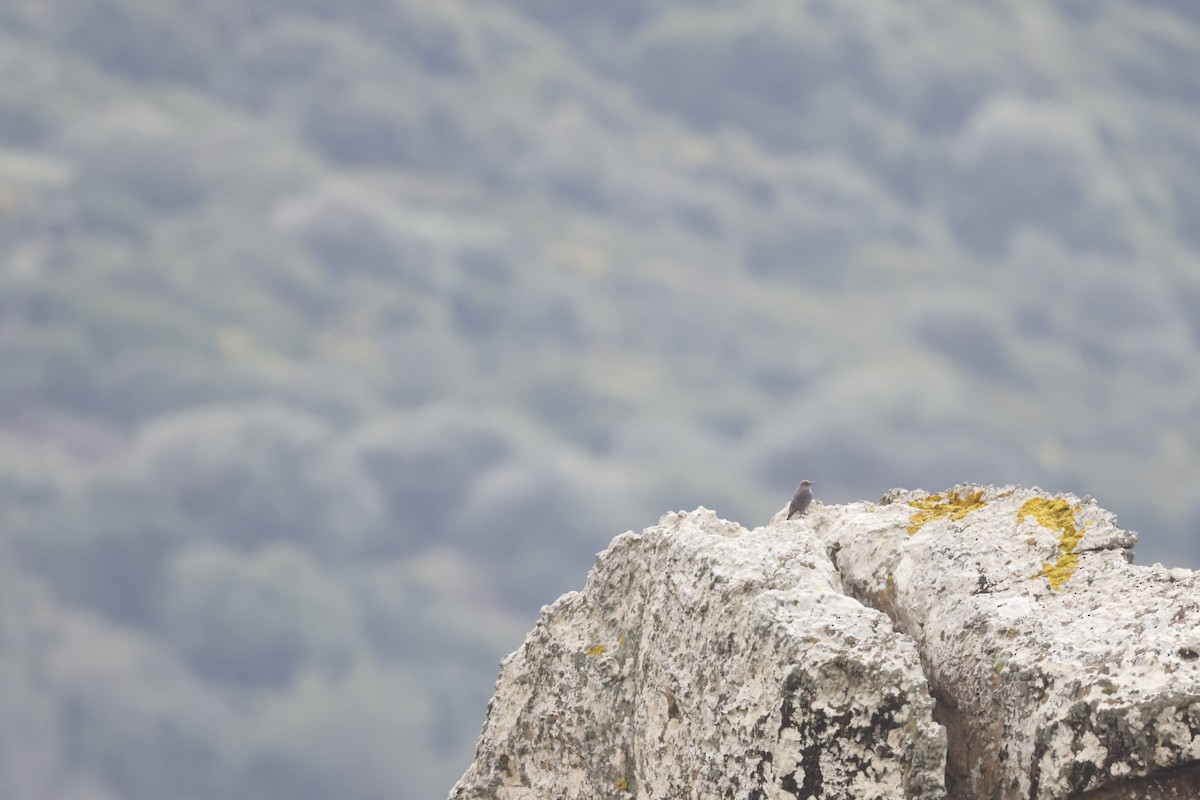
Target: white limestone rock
706, 661
1059, 666
703, 660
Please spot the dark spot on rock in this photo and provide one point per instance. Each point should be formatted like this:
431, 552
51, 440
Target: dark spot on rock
672, 707
799, 694
762, 773
813, 781
788, 712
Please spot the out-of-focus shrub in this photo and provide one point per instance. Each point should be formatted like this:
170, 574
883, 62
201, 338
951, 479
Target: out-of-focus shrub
358, 234
105, 550
1025, 163
159, 173
144, 40
363, 125
257, 474
52, 366
256, 618
424, 461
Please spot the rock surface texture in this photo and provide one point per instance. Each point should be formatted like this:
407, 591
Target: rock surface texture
979, 643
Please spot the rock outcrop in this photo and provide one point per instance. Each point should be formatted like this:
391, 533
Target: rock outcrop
980, 643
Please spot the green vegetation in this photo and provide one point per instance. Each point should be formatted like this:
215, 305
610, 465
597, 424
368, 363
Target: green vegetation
336, 337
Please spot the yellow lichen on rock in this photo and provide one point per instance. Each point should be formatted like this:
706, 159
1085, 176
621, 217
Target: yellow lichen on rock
953, 505
1058, 515
1061, 570
596, 650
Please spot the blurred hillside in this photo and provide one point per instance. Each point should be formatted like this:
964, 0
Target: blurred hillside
336, 337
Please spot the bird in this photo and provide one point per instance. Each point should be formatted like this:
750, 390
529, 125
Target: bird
801, 499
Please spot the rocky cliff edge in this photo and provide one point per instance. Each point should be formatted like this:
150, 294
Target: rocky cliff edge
979, 643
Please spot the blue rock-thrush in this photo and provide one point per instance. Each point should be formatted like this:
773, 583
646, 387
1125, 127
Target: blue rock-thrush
801, 500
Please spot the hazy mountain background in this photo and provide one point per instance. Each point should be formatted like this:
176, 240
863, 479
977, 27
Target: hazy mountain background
337, 337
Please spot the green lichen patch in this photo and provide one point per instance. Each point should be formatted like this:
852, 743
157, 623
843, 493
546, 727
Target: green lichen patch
954, 505
1057, 515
